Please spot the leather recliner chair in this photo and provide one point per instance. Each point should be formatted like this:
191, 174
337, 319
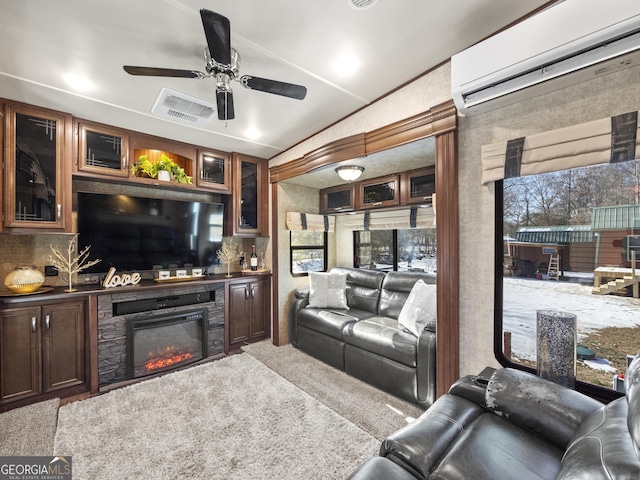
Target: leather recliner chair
520, 427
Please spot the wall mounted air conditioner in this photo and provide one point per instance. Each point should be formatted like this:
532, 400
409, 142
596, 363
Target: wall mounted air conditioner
568, 43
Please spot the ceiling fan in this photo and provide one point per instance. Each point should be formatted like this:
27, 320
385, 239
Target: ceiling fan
223, 63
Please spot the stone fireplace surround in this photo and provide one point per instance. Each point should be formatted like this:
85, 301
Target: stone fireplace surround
112, 328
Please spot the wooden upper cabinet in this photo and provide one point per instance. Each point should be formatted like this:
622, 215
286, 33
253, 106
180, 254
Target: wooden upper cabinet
418, 186
153, 148
214, 171
101, 149
378, 192
340, 198
248, 214
37, 173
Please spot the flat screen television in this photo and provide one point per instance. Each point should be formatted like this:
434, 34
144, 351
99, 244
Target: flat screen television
134, 234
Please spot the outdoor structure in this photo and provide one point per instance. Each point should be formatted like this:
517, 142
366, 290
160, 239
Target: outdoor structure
603, 248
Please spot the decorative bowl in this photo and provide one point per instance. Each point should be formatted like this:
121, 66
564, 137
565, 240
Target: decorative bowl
25, 279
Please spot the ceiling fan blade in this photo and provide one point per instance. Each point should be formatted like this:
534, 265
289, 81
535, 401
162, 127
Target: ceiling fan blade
162, 72
217, 29
224, 99
273, 86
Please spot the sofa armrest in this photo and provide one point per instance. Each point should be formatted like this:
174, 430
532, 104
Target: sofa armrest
299, 301
301, 293
472, 388
550, 410
420, 446
426, 366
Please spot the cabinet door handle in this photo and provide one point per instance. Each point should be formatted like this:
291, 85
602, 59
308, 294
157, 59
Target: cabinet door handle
246, 293
59, 211
47, 321
375, 204
253, 292
124, 161
33, 324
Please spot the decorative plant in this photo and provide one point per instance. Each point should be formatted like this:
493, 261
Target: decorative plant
165, 163
69, 263
228, 253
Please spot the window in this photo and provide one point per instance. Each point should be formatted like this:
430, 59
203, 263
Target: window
565, 243
308, 252
401, 250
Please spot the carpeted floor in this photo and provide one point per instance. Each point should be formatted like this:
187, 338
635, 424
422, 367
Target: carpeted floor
271, 412
233, 418
30, 430
371, 409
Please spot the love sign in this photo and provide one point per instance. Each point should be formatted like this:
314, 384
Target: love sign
113, 280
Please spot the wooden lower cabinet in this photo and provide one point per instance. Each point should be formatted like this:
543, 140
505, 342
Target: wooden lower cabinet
249, 311
42, 351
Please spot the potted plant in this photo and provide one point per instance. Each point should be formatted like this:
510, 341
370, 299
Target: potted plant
151, 169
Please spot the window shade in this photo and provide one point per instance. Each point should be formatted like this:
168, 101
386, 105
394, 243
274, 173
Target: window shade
311, 221
415, 217
608, 140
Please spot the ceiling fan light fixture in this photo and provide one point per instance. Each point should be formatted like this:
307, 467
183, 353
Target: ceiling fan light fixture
349, 173
362, 4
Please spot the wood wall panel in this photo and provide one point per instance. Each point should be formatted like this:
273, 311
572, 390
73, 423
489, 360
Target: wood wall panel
448, 258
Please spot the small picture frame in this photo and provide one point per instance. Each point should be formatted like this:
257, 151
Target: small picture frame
164, 274
181, 273
196, 272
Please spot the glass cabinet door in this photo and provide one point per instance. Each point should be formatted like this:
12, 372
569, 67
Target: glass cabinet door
418, 186
379, 192
337, 199
214, 171
102, 150
250, 198
35, 170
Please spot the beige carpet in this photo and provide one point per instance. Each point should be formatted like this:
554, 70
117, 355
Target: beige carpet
233, 418
371, 409
30, 430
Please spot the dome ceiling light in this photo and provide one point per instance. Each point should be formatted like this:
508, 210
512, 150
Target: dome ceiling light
349, 173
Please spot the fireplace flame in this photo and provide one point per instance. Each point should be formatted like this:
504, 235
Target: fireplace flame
166, 360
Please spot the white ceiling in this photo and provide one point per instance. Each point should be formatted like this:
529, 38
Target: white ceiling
295, 41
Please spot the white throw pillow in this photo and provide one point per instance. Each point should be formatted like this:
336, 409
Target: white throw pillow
328, 290
419, 309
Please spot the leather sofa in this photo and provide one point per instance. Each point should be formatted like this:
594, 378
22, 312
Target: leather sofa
518, 427
366, 340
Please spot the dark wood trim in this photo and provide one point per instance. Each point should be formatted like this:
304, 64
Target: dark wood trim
275, 317
287, 170
435, 121
92, 342
448, 291
343, 149
439, 119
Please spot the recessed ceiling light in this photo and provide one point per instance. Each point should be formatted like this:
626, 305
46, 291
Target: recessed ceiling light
81, 84
347, 64
252, 134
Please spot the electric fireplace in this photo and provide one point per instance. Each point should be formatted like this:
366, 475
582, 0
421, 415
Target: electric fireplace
158, 343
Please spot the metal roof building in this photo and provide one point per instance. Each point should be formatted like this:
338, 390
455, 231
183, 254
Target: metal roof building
619, 217
556, 234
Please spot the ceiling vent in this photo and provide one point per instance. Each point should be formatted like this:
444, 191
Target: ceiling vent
182, 107
362, 4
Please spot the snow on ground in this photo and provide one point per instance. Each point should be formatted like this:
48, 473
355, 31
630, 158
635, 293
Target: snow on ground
523, 297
